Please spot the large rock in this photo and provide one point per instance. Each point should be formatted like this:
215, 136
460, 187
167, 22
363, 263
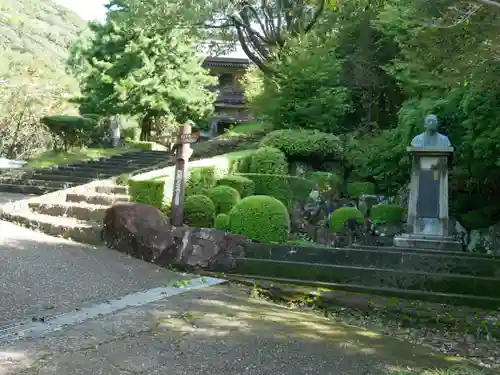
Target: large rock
144, 232
207, 249
140, 230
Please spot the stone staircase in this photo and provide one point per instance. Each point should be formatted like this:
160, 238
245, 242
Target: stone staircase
47, 180
74, 214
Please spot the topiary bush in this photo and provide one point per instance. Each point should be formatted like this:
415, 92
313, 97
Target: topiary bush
340, 216
222, 222
261, 218
245, 186
288, 189
304, 145
243, 164
269, 160
200, 179
387, 214
199, 211
224, 198
358, 188
72, 131
150, 192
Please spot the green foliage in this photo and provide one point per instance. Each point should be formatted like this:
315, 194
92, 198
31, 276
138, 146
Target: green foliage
123, 179
125, 66
358, 188
305, 145
140, 145
387, 214
200, 179
306, 92
243, 164
268, 160
150, 192
261, 218
222, 222
243, 185
199, 211
340, 216
224, 198
287, 189
73, 131
326, 181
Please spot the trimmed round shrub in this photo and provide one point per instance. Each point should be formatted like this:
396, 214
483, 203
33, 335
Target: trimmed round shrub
222, 222
304, 145
199, 211
387, 214
358, 188
288, 189
326, 180
199, 180
339, 217
269, 160
261, 218
245, 186
243, 164
224, 198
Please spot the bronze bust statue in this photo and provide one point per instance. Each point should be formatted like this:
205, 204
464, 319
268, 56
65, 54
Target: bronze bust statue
430, 137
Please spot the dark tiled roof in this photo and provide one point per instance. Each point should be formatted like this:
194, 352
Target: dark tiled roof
225, 62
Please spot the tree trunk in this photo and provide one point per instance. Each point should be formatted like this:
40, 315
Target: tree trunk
146, 126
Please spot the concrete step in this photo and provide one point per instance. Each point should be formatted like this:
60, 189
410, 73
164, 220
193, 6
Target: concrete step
88, 232
81, 211
69, 177
42, 183
27, 189
105, 168
111, 189
96, 198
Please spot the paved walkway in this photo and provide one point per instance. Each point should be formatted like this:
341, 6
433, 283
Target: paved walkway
216, 330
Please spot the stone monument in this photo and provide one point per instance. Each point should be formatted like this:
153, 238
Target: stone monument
428, 204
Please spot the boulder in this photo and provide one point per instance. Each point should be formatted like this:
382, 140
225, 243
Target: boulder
144, 232
139, 230
207, 249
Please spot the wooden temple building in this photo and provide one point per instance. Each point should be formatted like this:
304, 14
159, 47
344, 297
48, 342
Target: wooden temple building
230, 107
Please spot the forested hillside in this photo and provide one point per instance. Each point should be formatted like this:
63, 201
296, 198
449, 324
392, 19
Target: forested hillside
37, 31
35, 36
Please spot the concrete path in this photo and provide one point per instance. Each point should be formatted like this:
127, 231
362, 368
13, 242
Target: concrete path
217, 330
43, 275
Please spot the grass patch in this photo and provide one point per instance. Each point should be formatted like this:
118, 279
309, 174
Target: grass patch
51, 158
459, 370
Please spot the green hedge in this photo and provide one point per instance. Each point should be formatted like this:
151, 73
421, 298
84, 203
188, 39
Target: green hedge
357, 189
200, 179
260, 218
387, 214
305, 145
245, 186
340, 216
269, 160
222, 222
199, 211
224, 198
288, 189
242, 164
150, 192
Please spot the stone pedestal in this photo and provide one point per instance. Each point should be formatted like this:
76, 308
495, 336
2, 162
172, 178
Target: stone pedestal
428, 203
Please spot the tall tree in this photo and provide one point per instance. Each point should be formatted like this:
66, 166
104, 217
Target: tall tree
261, 27
131, 68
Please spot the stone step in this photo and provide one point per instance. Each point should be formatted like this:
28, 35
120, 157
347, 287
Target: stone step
96, 198
81, 211
104, 167
87, 232
391, 258
42, 183
111, 189
69, 177
373, 276
27, 189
